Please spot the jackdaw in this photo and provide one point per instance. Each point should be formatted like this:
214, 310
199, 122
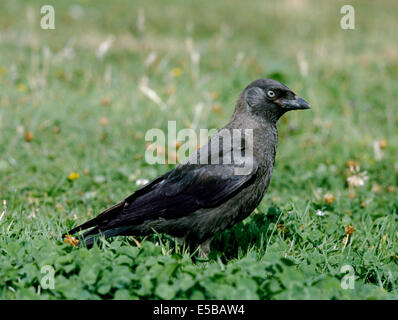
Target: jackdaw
217, 186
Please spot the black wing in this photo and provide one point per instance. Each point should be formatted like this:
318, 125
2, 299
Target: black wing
177, 193
183, 191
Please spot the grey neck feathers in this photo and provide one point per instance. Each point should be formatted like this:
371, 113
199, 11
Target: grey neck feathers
262, 117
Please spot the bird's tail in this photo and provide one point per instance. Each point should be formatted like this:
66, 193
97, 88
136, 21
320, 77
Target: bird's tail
98, 226
90, 237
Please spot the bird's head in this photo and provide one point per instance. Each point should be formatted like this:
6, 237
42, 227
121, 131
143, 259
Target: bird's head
269, 99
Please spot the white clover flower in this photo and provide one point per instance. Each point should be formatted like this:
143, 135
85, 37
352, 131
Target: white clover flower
320, 213
358, 180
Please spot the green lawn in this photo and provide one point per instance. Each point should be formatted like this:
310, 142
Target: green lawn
63, 110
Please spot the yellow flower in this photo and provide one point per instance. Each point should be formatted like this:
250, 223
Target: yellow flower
73, 176
71, 240
176, 72
21, 87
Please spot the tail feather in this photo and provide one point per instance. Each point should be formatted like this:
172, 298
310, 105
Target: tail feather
89, 237
98, 226
99, 220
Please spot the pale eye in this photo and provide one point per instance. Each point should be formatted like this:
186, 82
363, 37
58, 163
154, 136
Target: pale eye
270, 94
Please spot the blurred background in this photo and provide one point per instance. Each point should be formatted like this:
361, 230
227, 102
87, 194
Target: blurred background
82, 96
76, 102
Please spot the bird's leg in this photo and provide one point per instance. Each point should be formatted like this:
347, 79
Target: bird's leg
204, 249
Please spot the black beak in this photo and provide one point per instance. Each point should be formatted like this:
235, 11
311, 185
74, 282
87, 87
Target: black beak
295, 104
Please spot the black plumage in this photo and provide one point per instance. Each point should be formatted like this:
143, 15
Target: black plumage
208, 194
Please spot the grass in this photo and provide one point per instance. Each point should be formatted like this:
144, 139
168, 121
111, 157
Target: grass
63, 110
